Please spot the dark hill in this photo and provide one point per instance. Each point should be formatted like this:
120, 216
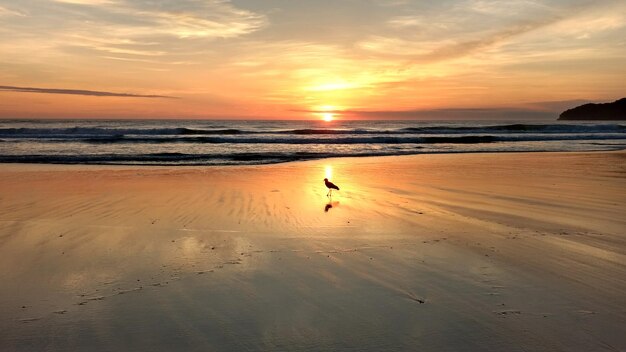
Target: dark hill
607, 111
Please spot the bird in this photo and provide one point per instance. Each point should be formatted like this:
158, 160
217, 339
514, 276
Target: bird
330, 186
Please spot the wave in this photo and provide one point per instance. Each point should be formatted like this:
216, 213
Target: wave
233, 143
192, 131
78, 132
186, 159
521, 128
313, 131
96, 131
509, 128
471, 139
341, 140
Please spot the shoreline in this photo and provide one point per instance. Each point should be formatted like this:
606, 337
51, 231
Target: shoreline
351, 158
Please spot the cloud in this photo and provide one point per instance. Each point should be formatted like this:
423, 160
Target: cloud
272, 56
5, 12
86, 2
131, 28
79, 92
180, 19
450, 47
467, 47
480, 26
507, 7
592, 22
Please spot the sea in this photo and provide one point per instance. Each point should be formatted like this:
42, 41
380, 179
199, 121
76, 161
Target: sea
236, 142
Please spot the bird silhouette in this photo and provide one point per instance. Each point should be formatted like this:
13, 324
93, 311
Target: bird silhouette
330, 186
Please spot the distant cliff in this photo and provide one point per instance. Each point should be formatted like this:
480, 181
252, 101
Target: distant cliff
608, 111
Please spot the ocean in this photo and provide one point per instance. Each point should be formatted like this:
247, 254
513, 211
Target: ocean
211, 142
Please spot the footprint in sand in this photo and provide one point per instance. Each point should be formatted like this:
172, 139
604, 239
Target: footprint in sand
412, 296
234, 261
508, 312
122, 292
28, 320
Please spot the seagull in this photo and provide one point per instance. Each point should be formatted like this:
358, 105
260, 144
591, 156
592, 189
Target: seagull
330, 186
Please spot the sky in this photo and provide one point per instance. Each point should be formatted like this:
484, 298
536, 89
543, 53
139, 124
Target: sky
306, 59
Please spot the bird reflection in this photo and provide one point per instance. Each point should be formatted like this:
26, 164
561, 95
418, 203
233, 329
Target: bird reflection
330, 186
330, 205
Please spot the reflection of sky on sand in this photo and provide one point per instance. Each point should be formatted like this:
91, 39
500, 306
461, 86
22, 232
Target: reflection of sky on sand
361, 207
143, 230
214, 258
329, 172
91, 264
153, 228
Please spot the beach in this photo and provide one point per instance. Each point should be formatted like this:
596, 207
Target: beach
438, 252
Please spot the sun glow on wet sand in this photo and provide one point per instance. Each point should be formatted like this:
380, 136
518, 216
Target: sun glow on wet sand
328, 172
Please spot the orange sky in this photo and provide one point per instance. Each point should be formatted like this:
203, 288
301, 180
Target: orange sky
297, 59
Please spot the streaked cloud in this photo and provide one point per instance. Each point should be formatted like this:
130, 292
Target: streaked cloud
92, 93
87, 2
137, 27
6, 12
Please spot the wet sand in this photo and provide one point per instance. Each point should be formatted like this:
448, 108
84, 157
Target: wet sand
463, 252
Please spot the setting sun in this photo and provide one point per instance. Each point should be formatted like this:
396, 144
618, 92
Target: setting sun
327, 116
